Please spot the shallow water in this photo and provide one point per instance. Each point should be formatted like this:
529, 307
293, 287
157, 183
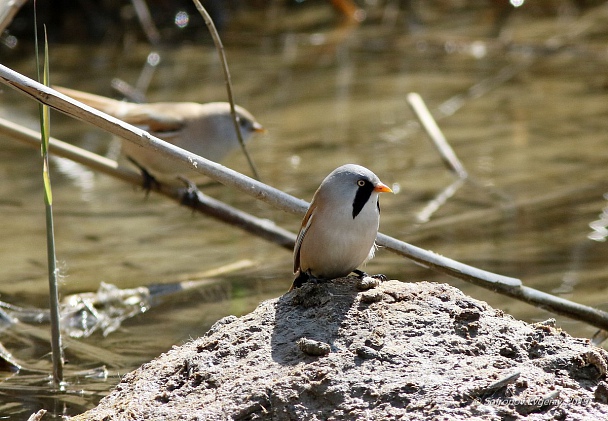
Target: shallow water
525, 112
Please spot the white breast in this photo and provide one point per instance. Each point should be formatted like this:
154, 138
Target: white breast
336, 243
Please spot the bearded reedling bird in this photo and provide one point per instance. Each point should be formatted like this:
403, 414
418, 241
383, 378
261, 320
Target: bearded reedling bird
203, 129
339, 230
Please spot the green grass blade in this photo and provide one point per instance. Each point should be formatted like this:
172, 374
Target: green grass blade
45, 124
45, 128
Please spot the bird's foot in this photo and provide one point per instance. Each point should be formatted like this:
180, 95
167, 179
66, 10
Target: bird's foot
365, 281
191, 194
303, 278
381, 277
149, 183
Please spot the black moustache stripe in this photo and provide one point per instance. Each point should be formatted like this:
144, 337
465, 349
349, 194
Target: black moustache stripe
361, 198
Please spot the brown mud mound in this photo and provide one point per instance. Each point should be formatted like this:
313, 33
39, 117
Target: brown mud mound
402, 350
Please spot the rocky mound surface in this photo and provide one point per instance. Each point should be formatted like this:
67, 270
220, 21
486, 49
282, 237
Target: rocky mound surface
411, 351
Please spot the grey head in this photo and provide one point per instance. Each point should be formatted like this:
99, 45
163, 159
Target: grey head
351, 183
246, 121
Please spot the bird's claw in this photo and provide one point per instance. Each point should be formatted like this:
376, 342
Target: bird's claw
365, 281
303, 278
149, 182
379, 276
191, 193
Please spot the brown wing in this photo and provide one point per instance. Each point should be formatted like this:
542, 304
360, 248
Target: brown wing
157, 118
154, 121
102, 103
303, 229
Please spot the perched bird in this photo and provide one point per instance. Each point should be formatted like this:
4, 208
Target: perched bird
204, 129
339, 230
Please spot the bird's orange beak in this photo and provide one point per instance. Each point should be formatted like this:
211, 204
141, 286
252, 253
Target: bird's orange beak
382, 188
258, 128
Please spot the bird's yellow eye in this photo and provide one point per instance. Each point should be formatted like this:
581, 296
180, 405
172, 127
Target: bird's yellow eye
361, 183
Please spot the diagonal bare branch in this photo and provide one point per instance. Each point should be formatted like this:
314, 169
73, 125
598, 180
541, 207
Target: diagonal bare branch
502, 284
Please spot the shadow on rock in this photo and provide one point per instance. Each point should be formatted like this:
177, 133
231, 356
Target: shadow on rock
307, 320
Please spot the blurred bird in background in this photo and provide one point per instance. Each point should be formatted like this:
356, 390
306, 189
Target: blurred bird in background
203, 129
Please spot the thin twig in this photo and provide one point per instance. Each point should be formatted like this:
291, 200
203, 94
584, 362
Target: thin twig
281, 200
446, 152
145, 19
435, 134
131, 93
220, 50
145, 76
493, 387
425, 214
137, 93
